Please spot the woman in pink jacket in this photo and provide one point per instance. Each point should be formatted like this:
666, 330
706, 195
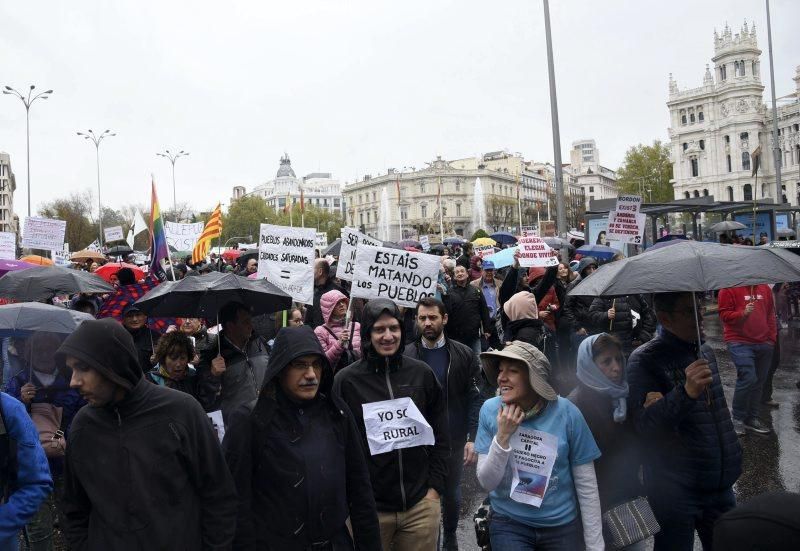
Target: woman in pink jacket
342, 345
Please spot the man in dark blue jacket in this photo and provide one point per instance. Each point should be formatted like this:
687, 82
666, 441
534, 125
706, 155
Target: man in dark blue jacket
692, 456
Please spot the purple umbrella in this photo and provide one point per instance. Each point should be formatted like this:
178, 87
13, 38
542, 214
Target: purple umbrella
13, 265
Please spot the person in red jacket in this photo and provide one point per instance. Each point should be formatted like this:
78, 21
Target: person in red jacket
750, 331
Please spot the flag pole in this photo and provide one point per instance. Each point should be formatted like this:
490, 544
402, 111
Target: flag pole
441, 221
519, 205
399, 210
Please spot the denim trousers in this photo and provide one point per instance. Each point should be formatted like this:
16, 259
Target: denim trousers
752, 363
680, 512
507, 534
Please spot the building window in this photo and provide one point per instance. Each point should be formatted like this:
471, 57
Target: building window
703, 144
705, 193
360, 199
727, 140
361, 218
700, 116
745, 161
336, 203
741, 68
691, 117
591, 189
683, 117
374, 196
686, 195
685, 146
458, 186
368, 217
458, 209
748, 192
723, 72
695, 167
736, 68
753, 68
404, 214
730, 193
743, 136
423, 209
730, 166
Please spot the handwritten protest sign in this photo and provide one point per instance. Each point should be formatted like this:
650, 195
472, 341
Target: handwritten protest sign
535, 454
533, 251
183, 236
395, 424
286, 258
401, 276
44, 233
8, 245
320, 240
626, 224
114, 233
425, 241
483, 250
351, 240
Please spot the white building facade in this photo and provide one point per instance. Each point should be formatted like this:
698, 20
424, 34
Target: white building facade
715, 128
8, 186
319, 190
596, 181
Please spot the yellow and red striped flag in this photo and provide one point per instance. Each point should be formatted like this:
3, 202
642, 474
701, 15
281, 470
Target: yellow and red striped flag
212, 230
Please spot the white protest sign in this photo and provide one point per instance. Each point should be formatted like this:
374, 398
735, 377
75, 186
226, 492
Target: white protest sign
217, 423
286, 258
425, 241
61, 258
93, 246
401, 276
351, 239
533, 251
483, 250
321, 240
183, 236
8, 245
395, 424
534, 456
626, 224
114, 233
44, 233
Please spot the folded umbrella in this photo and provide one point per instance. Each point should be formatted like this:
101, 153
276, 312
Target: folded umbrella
41, 283
25, 318
203, 296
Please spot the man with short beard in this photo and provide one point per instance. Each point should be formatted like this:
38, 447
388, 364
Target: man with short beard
400, 413
456, 370
322, 284
469, 314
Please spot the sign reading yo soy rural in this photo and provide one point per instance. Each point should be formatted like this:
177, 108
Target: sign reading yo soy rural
401, 276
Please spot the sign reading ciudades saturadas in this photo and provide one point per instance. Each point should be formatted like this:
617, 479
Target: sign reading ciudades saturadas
401, 276
286, 259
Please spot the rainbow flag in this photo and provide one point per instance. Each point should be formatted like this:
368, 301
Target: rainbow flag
212, 230
158, 248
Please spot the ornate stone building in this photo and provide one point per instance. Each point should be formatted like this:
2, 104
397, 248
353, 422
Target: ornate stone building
714, 129
8, 185
319, 189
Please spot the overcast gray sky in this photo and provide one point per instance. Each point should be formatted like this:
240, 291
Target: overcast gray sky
348, 87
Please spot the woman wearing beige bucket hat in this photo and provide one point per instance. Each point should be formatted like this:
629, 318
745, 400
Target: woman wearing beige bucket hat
536, 458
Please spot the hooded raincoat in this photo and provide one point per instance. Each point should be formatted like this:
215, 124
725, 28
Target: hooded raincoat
328, 333
298, 466
146, 472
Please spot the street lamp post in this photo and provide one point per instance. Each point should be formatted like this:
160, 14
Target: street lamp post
28, 101
172, 157
95, 139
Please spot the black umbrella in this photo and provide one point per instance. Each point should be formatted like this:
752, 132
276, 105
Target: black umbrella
334, 249
691, 266
504, 238
44, 282
203, 296
119, 250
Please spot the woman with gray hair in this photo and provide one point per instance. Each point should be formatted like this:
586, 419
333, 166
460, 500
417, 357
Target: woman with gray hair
536, 458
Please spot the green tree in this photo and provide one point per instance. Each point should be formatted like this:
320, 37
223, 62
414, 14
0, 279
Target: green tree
646, 171
76, 210
244, 217
480, 232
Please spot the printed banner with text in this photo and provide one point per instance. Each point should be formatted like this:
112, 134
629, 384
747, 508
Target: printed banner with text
626, 224
286, 259
401, 276
351, 240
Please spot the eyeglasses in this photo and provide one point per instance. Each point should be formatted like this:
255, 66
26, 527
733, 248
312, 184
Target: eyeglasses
315, 365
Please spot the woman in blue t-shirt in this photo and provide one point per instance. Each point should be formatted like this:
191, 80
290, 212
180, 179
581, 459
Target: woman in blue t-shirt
535, 457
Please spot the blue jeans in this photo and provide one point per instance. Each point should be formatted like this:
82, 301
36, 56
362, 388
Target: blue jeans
752, 363
451, 499
680, 512
506, 534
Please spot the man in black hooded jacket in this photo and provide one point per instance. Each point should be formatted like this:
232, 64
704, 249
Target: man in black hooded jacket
296, 458
144, 469
400, 412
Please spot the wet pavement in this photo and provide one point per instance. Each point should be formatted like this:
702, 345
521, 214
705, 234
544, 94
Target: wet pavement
770, 462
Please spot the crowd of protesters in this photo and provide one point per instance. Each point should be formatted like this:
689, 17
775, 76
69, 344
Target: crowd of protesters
631, 402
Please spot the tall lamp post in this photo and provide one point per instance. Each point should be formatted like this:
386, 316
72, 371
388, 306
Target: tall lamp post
172, 157
28, 101
95, 139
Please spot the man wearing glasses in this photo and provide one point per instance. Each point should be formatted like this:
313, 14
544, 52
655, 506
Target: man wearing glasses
297, 460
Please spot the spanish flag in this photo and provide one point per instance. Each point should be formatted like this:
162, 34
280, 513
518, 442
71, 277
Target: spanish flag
212, 230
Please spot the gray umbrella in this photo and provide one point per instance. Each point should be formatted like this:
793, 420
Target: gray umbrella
727, 225
26, 318
45, 282
691, 266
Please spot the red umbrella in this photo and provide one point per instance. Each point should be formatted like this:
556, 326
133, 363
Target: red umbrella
231, 254
107, 270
